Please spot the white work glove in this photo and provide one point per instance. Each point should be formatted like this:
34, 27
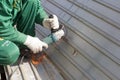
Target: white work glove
51, 23
58, 35
34, 44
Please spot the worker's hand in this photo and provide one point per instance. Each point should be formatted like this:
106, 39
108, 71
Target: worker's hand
35, 44
58, 35
51, 23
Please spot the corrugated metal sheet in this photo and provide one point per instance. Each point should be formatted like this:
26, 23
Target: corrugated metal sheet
92, 51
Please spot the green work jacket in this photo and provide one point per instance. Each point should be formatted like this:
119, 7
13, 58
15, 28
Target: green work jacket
9, 11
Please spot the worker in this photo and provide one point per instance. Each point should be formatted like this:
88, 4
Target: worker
17, 26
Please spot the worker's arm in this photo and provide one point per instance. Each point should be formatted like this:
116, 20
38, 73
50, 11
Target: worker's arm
7, 31
42, 18
37, 45
41, 14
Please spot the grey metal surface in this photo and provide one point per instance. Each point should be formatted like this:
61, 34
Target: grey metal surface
92, 48
27, 71
92, 51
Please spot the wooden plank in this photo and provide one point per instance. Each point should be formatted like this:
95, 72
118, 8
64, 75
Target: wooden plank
27, 71
13, 73
37, 76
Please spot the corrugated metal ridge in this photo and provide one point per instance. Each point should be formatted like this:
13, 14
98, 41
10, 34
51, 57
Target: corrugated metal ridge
109, 5
53, 47
92, 26
109, 56
104, 51
83, 53
80, 68
91, 50
95, 13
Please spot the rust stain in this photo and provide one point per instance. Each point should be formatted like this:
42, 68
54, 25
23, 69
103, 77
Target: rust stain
37, 59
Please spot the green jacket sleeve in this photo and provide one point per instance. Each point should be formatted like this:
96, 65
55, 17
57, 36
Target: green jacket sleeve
7, 31
41, 14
